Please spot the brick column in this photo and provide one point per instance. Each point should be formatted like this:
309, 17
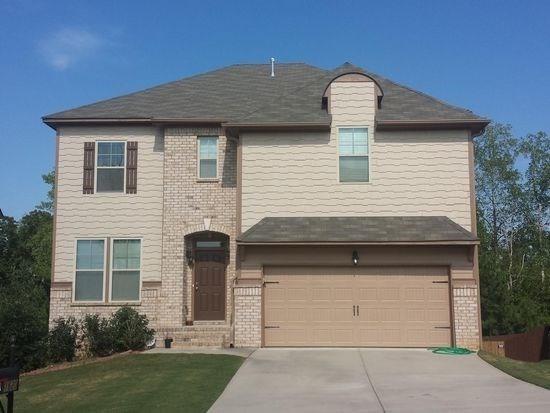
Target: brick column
465, 300
248, 315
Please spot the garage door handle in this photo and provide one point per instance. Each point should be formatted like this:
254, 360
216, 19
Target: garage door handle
357, 311
443, 327
354, 311
271, 327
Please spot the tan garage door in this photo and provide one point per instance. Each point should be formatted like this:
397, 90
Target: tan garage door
354, 306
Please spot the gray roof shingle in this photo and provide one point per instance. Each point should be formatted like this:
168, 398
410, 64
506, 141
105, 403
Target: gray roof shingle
248, 94
430, 229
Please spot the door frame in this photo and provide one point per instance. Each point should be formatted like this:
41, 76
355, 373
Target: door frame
222, 251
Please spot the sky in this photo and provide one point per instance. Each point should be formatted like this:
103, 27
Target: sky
492, 57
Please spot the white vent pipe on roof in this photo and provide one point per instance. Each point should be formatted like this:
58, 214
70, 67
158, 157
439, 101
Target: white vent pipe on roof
272, 67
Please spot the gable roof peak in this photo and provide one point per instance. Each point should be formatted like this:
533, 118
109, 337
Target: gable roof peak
347, 67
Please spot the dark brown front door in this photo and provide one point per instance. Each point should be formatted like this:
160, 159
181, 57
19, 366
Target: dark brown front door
209, 286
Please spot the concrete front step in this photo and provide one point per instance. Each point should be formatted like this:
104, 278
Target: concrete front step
200, 336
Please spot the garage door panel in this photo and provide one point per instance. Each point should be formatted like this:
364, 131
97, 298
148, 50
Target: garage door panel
343, 314
414, 315
369, 336
396, 307
320, 294
438, 294
297, 314
439, 337
343, 337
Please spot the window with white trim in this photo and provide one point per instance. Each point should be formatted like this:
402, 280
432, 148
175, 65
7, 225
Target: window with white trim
208, 157
353, 151
126, 269
90, 270
111, 162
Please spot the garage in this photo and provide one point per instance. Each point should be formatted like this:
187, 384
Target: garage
356, 306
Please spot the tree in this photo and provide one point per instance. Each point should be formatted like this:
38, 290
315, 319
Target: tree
513, 229
49, 203
25, 265
35, 243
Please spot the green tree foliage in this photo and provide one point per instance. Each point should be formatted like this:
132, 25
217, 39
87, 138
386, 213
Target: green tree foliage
25, 266
513, 226
23, 315
48, 204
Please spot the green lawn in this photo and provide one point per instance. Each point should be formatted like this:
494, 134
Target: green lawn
135, 383
536, 373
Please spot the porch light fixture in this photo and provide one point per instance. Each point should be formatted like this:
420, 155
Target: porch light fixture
355, 257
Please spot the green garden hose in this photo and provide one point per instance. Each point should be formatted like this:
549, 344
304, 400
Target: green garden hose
451, 350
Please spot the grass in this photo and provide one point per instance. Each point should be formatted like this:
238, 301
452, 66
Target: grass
535, 373
138, 382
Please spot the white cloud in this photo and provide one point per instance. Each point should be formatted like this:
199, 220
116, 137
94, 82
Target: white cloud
67, 46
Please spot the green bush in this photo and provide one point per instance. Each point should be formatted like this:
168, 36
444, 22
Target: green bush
98, 335
62, 344
130, 329
24, 316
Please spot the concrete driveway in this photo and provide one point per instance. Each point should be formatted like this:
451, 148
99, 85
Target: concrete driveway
374, 380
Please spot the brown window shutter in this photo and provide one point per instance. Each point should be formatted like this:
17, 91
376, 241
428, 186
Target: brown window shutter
131, 167
89, 162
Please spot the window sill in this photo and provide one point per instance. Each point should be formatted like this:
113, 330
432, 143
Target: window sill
104, 304
207, 180
355, 183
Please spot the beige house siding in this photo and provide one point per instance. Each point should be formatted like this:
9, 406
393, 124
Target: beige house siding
108, 215
412, 173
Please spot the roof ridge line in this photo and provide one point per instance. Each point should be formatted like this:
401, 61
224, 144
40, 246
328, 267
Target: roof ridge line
418, 92
286, 94
140, 91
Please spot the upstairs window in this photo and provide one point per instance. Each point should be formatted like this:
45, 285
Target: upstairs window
208, 157
90, 267
353, 148
111, 164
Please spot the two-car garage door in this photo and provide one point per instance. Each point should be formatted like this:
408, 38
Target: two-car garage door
356, 306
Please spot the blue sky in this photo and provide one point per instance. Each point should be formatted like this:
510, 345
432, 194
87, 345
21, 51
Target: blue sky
492, 57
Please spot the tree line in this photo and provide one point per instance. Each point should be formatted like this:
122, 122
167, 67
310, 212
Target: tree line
512, 187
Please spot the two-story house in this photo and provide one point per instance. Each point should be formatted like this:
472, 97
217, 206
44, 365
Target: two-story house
271, 206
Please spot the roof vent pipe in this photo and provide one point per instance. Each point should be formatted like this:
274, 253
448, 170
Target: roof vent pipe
272, 67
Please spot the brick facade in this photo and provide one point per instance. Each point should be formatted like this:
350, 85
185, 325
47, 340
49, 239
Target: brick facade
248, 316
61, 305
191, 205
466, 317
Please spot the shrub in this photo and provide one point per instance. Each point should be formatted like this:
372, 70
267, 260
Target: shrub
62, 340
98, 335
130, 329
23, 315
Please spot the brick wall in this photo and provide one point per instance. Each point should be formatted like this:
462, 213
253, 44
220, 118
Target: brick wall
190, 206
248, 316
465, 302
61, 305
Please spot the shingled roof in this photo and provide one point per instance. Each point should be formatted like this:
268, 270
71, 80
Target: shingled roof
247, 94
361, 230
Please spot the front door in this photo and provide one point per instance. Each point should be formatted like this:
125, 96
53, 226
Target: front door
209, 286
